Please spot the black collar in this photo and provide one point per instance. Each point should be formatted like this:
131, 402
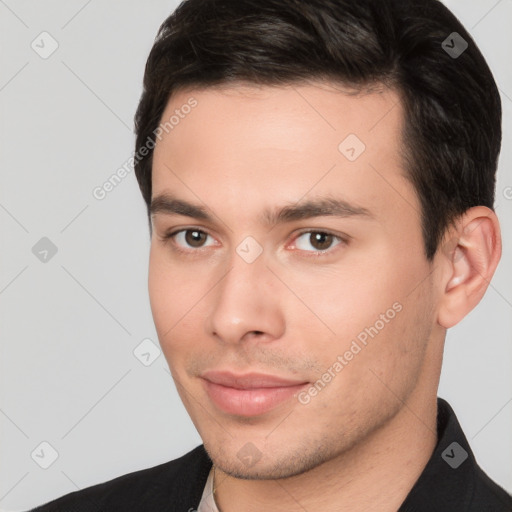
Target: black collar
452, 481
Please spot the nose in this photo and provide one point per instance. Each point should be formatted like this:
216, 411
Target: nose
246, 304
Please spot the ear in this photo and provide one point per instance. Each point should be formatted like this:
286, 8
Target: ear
469, 260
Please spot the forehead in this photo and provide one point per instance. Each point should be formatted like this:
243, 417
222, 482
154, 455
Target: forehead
243, 145
283, 116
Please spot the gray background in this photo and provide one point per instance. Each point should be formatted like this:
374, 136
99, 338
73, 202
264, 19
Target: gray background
69, 325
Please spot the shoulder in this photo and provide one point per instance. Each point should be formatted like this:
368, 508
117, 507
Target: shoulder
179, 482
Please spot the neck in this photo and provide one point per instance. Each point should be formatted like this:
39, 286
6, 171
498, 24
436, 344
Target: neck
377, 474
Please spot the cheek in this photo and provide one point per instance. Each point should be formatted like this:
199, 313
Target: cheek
177, 299
169, 288
341, 303
364, 312
160, 293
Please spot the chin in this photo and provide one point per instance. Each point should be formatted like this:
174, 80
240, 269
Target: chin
249, 463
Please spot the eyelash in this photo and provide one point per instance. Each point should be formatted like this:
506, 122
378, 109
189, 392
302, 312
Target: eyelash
313, 254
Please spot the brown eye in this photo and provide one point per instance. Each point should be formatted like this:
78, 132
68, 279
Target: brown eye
195, 238
320, 241
186, 240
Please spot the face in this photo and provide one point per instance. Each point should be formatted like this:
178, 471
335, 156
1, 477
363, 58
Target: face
287, 280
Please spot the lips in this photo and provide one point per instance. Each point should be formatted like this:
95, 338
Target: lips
249, 394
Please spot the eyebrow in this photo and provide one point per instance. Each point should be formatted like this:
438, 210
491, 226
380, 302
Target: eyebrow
319, 207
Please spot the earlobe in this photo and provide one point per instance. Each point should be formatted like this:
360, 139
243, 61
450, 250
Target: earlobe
470, 265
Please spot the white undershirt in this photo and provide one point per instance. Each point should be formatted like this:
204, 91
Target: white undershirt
207, 503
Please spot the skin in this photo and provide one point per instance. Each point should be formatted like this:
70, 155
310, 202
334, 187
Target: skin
362, 441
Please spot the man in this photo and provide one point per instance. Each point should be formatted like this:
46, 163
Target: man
319, 177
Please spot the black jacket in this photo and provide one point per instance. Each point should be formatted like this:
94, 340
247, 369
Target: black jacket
451, 482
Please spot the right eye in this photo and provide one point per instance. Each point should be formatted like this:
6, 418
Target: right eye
187, 239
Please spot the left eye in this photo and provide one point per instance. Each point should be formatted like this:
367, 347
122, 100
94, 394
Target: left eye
319, 240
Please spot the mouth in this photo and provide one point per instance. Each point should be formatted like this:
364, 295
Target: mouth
249, 394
